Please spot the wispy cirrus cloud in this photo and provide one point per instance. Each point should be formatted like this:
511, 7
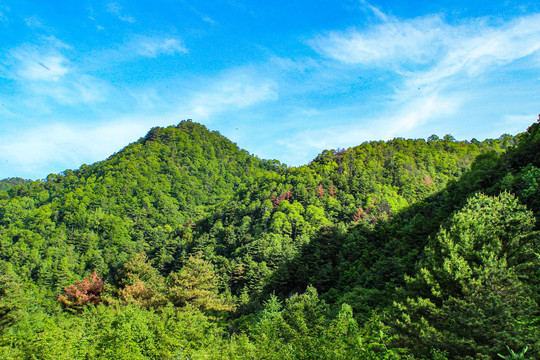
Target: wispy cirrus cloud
440, 49
437, 65
117, 9
375, 10
50, 67
234, 90
38, 62
487, 48
33, 22
44, 69
49, 71
139, 45
77, 89
155, 46
390, 42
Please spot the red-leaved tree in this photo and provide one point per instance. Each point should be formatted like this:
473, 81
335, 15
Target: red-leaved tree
332, 191
277, 200
320, 190
358, 216
82, 293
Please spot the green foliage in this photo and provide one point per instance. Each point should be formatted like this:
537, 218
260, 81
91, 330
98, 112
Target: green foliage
103, 332
208, 252
195, 285
6, 184
11, 296
474, 292
514, 355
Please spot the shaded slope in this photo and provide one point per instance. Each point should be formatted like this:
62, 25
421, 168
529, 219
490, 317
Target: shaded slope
363, 265
268, 222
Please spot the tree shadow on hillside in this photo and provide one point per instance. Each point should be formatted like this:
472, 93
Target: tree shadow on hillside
364, 264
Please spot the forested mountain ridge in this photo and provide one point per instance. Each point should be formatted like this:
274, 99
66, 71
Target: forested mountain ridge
182, 213
138, 196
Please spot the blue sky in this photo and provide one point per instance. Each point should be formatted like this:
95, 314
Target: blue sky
282, 79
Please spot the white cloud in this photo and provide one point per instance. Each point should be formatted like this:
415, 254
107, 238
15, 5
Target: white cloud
33, 63
489, 48
79, 89
204, 17
415, 40
445, 49
3, 17
44, 70
43, 67
293, 65
148, 99
209, 20
375, 10
64, 145
415, 113
33, 22
439, 68
116, 9
235, 90
152, 47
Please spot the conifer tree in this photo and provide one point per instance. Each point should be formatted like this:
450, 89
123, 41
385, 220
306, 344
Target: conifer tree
475, 292
142, 283
196, 285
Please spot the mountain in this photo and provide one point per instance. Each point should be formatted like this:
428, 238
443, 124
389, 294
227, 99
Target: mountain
138, 198
184, 226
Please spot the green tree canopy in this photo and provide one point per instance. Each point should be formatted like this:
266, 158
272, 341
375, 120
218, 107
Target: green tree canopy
476, 293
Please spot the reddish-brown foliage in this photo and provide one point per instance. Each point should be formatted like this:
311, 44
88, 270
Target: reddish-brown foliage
332, 191
83, 293
358, 216
320, 191
284, 196
427, 181
287, 195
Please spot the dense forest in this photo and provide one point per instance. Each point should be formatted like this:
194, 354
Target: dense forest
8, 183
184, 246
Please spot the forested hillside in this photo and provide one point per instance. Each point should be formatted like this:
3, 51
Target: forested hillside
182, 245
8, 183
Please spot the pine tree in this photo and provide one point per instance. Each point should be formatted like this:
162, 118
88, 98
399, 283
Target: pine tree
475, 292
196, 285
142, 283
